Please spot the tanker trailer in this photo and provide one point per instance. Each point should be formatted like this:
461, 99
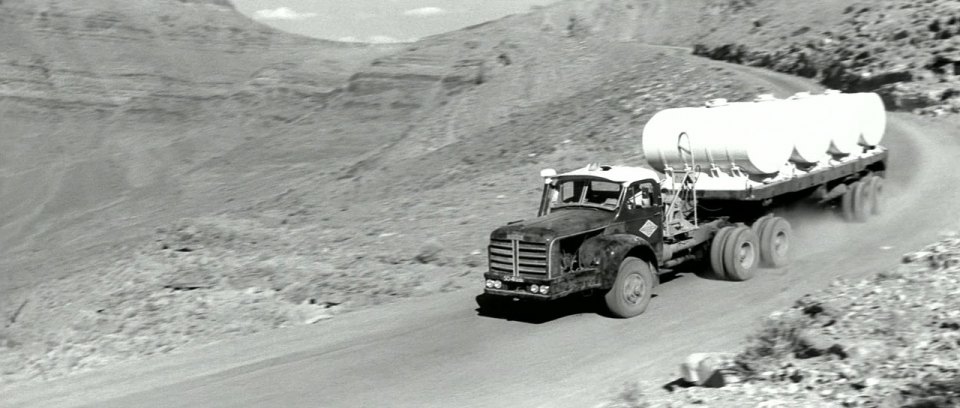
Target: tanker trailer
706, 197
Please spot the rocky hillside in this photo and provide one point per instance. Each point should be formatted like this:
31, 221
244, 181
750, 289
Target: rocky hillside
906, 51
889, 341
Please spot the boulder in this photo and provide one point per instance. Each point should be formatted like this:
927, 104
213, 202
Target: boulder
707, 369
812, 344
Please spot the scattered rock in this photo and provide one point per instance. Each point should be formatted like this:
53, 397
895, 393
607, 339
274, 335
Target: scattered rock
429, 253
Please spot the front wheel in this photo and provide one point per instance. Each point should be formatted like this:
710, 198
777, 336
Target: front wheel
632, 290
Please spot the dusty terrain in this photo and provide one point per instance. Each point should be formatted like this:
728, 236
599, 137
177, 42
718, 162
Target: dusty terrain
222, 193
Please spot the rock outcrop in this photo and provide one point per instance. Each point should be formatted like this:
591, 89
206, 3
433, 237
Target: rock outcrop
907, 52
889, 341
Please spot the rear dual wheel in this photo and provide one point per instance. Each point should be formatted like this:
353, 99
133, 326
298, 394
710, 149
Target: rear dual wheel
734, 254
774, 235
716, 269
741, 255
875, 188
862, 199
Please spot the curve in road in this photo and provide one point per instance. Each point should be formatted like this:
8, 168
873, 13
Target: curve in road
438, 352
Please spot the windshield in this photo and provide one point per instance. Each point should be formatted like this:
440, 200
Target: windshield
585, 192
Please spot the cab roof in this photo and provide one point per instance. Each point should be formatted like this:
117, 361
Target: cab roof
617, 174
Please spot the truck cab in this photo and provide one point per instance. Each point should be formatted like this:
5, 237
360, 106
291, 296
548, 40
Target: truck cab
590, 222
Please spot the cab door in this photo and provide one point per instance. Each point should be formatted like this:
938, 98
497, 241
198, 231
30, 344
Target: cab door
642, 212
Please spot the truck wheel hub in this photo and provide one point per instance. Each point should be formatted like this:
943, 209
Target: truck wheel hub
746, 255
780, 244
634, 288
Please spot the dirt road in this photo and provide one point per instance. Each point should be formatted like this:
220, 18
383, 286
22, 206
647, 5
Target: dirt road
437, 351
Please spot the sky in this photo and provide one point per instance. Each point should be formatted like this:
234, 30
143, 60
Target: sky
381, 21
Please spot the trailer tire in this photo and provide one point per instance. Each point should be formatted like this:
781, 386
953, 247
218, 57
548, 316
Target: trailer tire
775, 243
715, 269
861, 201
875, 189
632, 290
758, 225
848, 202
740, 255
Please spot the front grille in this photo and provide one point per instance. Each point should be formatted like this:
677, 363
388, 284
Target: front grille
518, 258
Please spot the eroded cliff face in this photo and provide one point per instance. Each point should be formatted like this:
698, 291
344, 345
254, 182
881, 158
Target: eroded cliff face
150, 57
114, 114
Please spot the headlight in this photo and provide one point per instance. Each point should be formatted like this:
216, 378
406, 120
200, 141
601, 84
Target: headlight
544, 289
489, 283
497, 284
534, 288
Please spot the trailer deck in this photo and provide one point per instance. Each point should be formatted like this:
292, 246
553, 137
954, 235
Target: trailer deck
720, 185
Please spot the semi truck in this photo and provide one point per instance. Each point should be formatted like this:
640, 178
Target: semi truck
704, 198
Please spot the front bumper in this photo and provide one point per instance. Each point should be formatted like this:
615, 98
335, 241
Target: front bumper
569, 283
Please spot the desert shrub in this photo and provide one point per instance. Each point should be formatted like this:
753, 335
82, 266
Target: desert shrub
780, 337
629, 397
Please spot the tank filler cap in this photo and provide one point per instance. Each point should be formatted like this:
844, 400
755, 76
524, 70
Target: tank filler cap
713, 103
764, 98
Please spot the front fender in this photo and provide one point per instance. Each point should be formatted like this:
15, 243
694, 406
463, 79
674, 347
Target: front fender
606, 253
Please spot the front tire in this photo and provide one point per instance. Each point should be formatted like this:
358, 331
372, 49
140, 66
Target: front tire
632, 290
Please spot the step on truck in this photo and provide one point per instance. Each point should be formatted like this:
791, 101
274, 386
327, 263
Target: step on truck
714, 175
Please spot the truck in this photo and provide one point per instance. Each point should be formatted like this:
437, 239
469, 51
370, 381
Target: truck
611, 231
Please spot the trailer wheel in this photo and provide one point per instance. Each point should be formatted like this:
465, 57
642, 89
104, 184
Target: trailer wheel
740, 255
632, 290
758, 225
861, 201
775, 243
875, 189
715, 269
848, 202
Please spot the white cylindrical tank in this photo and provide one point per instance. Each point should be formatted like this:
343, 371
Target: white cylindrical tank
744, 135
794, 123
873, 118
831, 116
661, 138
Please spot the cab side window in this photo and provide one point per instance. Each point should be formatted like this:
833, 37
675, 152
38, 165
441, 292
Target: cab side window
642, 195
